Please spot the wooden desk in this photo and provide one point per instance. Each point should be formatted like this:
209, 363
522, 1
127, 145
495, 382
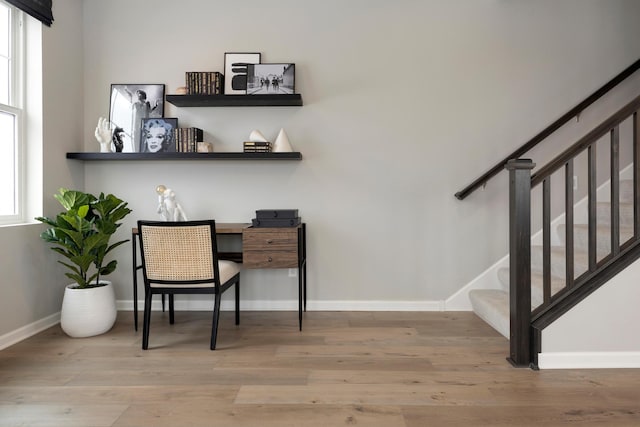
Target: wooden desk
262, 247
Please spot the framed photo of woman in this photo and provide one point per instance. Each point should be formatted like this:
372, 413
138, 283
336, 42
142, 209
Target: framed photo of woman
129, 105
158, 135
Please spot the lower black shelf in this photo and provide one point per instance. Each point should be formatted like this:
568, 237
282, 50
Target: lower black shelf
186, 156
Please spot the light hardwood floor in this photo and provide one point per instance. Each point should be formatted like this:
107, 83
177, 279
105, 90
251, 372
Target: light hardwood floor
344, 369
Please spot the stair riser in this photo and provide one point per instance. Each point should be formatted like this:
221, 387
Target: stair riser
626, 191
558, 263
604, 214
603, 238
536, 285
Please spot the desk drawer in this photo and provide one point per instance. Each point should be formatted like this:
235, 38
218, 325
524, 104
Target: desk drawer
270, 259
270, 247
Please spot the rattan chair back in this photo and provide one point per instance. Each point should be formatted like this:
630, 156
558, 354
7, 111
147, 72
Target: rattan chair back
180, 253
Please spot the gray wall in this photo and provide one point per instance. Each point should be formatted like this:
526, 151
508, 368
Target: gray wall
405, 103
31, 281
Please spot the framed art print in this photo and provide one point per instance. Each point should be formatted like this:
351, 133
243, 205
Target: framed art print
235, 71
157, 135
271, 79
129, 105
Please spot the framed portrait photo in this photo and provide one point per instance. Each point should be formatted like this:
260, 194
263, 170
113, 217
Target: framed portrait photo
235, 71
129, 105
271, 79
157, 135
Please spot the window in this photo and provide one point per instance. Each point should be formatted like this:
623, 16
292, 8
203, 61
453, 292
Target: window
11, 115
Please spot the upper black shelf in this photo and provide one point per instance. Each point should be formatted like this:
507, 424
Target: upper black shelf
187, 156
283, 100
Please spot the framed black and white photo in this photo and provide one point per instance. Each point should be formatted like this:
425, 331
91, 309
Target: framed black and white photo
235, 71
129, 105
157, 135
271, 79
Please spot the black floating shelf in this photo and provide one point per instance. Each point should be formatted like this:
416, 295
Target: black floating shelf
283, 100
186, 156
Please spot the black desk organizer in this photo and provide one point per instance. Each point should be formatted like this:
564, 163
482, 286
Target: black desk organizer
276, 218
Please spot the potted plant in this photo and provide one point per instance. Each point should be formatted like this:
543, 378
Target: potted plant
81, 233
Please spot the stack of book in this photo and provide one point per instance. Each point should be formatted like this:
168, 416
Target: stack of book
257, 147
204, 82
187, 139
276, 218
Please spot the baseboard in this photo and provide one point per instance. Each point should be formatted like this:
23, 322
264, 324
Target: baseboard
292, 305
589, 360
27, 331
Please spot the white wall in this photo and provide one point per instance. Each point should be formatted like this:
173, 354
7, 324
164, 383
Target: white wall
405, 103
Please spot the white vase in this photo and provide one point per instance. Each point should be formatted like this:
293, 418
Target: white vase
89, 311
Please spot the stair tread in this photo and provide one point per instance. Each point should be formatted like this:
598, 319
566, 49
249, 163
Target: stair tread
492, 306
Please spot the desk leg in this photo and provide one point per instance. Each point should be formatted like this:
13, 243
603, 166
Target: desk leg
299, 300
302, 272
304, 263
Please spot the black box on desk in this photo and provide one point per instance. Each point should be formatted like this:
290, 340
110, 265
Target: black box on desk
276, 222
277, 214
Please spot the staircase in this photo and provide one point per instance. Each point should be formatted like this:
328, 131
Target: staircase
543, 282
492, 305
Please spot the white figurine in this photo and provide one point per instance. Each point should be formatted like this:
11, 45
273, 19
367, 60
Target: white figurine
168, 208
103, 135
257, 136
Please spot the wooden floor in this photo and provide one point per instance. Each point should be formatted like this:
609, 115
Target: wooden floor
344, 369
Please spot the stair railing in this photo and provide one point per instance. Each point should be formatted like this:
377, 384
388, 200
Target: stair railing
549, 130
526, 326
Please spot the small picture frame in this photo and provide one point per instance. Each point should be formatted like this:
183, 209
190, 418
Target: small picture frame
157, 135
128, 105
235, 71
271, 79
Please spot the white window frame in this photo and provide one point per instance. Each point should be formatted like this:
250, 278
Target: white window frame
16, 108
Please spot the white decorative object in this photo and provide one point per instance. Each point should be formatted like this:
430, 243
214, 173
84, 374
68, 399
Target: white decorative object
168, 208
257, 136
88, 311
205, 147
103, 134
282, 144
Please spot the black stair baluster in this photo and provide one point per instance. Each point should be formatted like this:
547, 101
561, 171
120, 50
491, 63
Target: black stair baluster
592, 206
546, 239
568, 208
636, 176
615, 190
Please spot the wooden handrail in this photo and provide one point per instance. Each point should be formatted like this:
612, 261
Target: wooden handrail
482, 180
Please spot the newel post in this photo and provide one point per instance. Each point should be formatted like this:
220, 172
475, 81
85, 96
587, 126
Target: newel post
520, 260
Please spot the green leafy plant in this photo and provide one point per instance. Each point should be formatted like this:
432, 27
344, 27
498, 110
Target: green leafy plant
82, 233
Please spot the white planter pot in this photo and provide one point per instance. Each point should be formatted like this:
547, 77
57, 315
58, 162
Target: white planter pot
88, 312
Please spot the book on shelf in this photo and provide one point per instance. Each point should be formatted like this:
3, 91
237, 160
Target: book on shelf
187, 139
257, 147
204, 82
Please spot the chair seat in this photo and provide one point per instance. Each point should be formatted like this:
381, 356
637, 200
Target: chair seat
227, 269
